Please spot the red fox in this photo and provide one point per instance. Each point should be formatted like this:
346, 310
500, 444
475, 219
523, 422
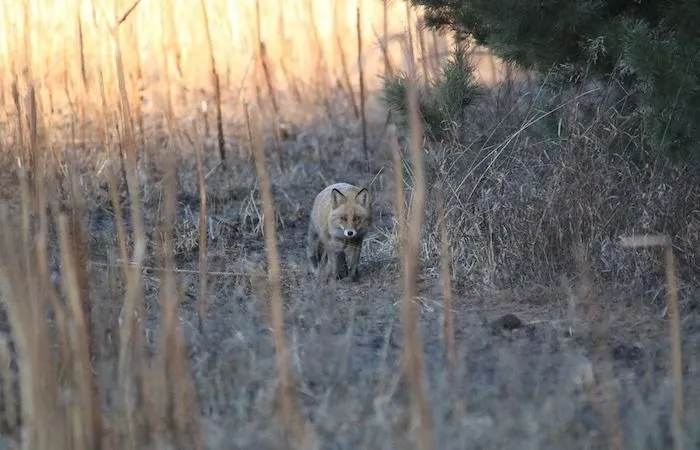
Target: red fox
339, 221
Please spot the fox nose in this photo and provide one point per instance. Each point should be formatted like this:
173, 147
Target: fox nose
349, 233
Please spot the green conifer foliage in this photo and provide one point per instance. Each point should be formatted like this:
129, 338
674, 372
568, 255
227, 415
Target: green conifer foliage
652, 47
441, 102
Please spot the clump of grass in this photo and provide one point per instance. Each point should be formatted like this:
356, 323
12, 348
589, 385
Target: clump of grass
530, 174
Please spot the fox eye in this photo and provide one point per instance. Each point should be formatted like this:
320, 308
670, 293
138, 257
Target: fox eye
343, 218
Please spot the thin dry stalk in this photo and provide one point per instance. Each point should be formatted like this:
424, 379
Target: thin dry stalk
264, 63
28, 74
36, 154
445, 258
165, 57
77, 231
674, 322
149, 269
216, 84
38, 290
361, 75
604, 397
43, 419
130, 339
112, 182
8, 385
125, 15
84, 414
10, 41
399, 206
170, 35
435, 53
676, 352
423, 53
344, 64
78, 257
203, 261
81, 46
115, 198
130, 348
414, 363
171, 49
172, 365
290, 82
205, 118
27, 159
388, 71
124, 110
296, 428
320, 80
159, 380
134, 55
271, 90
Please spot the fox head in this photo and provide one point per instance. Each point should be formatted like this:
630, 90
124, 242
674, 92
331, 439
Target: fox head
350, 214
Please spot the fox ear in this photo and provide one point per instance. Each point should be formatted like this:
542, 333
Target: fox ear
362, 197
337, 198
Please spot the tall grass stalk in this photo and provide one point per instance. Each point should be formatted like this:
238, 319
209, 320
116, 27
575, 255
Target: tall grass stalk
414, 363
664, 242
216, 84
603, 395
297, 431
361, 76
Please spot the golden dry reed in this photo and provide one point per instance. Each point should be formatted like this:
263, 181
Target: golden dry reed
410, 237
298, 433
664, 242
446, 275
602, 396
361, 76
216, 85
244, 45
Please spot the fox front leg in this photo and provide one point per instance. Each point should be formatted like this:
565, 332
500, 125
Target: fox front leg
354, 250
341, 265
336, 264
315, 250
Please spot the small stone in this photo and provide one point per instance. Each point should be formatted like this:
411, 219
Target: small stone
508, 322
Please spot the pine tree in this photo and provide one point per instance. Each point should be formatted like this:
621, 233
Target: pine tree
441, 102
652, 47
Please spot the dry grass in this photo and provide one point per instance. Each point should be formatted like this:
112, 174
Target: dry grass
154, 297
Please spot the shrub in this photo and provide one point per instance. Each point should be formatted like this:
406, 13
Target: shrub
652, 48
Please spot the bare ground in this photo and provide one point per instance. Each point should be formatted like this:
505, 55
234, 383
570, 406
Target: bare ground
536, 386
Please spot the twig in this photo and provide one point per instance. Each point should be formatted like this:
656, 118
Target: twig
127, 13
414, 362
216, 85
192, 271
